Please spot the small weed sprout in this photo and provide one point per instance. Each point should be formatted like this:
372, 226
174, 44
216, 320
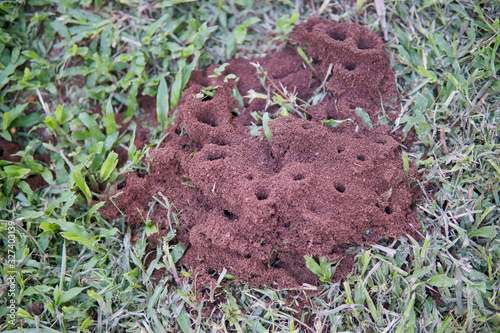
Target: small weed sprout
207, 93
335, 123
306, 59
365, 117
219, 70
284, 26
281, 96
324, 269
387, 195
264, 120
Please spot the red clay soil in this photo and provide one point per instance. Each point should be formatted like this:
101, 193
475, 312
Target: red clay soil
257, 206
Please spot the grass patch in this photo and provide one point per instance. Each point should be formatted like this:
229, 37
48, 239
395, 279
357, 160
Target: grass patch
70, 77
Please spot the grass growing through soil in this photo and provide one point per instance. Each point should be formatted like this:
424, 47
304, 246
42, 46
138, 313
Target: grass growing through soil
70, 70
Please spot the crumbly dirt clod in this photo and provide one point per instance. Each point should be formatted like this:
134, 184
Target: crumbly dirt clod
257, 206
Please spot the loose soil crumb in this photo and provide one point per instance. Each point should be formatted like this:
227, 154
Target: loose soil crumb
256, 206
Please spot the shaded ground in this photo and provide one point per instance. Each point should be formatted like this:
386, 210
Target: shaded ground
257, 206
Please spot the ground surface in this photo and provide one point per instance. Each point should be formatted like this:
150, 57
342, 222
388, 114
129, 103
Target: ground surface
81, 80
255, 206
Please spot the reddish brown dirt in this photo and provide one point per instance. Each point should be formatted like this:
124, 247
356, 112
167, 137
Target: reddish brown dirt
8, 149
256, 207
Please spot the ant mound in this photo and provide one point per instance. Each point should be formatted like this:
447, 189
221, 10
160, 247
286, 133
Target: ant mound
256, 205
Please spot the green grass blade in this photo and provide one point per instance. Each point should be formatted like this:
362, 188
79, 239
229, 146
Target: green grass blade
110, 122
365, 117
92, 125
109, 166
162, 104
82, 185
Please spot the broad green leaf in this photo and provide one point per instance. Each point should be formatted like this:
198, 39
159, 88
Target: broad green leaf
61, 29
252, 20
51, 122
23, 313
484, 232
6, 135
371, 305
92, 294
59, 113
334, 123
313, 266
10, 116
365, 259
26, 189
66, 296
420, 273
219, 70
302, 54
15, 171
49, 226
82, 185
202, 35
406, 164
106, 36
265, 125
155, 26
5, 73
132, 98
441, 280
486, 212
109, 121
32, 214
255, 130
424, 72
151, 229
28, 120
177, 252
70, 227
294, 18
79, 239
285, 24
238, 97
443, 44
37, 290
110, 141
108, 232
444, 325
365, 117
94, 209
34, 56
184, 321
92, 125
453, 80
57, 294
162, 105
495, 165
109, 166
176, 92
239, 34
425, 246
